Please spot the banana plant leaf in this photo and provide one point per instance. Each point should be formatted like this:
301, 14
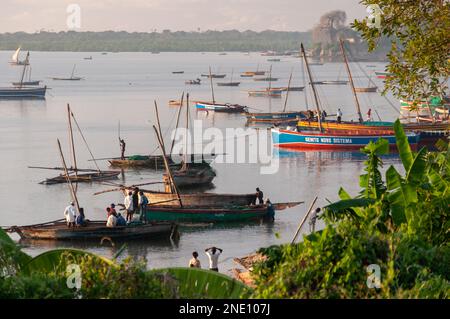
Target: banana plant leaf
9, 248
201, 283
347, 207
404, 150
401, 196
57, 260
416, 172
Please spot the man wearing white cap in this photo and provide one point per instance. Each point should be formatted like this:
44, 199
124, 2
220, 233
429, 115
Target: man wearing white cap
70, 213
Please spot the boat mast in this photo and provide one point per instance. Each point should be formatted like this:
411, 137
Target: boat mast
287, 92
231, 80
212, 88
72, 190
73, 71
72, 144
178, 120
319, 120
270, 78
187, 133
358, 109
24, 69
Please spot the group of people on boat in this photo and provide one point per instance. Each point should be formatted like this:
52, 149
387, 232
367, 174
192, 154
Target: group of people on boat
135, 202
213, 254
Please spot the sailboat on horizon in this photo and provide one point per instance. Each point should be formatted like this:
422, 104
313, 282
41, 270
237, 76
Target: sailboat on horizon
15, 58
72, 77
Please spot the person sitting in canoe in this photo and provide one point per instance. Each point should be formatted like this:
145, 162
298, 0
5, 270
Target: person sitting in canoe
81, 220
113, 208
70, 214
112, 220
120, 220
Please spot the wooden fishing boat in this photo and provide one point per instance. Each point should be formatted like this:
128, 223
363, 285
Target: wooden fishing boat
27, 83
252, 73
346, 125
265, 93
192, 176
274, 60
330, 82
177, 72
158, 198
83, 177
382, 75
212, 214
153, 161
94, 230
275, 117
290, 89
193, 82
369, 89
265, 79
23, 92
218, 107
215, 76
88, 58
228, 83
71, 78
334, 140
175, 102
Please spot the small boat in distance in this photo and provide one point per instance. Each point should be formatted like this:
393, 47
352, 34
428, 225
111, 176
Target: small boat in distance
177, 72
88, 58
15, 59
21, 91
231, 83
369, 89
193, 82
215, 76
27, 83
72, 77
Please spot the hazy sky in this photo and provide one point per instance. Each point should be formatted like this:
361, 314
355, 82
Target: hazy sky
187, 15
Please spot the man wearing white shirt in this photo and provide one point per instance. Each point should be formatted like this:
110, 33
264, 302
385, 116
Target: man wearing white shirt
70, 213
129, 206
213, 255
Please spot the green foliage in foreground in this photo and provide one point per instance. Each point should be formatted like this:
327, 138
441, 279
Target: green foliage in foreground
400, 224
47, 276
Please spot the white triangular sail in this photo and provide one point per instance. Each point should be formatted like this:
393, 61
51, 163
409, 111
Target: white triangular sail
15, 56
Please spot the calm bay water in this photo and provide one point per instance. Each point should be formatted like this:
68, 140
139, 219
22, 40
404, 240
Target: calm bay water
123, 86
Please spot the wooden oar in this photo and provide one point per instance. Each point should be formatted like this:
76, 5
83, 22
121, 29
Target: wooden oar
123, 187
62, 168
303, 220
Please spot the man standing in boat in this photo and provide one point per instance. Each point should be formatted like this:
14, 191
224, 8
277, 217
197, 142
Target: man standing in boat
259, 196
128, 203
122, 148
70, 214
339, 115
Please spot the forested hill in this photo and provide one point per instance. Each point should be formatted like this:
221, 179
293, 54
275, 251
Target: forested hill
165, 41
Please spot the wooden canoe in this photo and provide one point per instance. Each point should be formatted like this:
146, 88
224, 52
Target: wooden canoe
157, 198
212, 214
94, 230
192, 177
82, 178
369, 89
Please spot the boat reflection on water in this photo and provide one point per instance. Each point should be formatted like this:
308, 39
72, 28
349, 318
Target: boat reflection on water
105, 247
326, 156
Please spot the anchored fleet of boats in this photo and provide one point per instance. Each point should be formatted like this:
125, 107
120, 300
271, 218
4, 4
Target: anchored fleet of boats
182, 200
